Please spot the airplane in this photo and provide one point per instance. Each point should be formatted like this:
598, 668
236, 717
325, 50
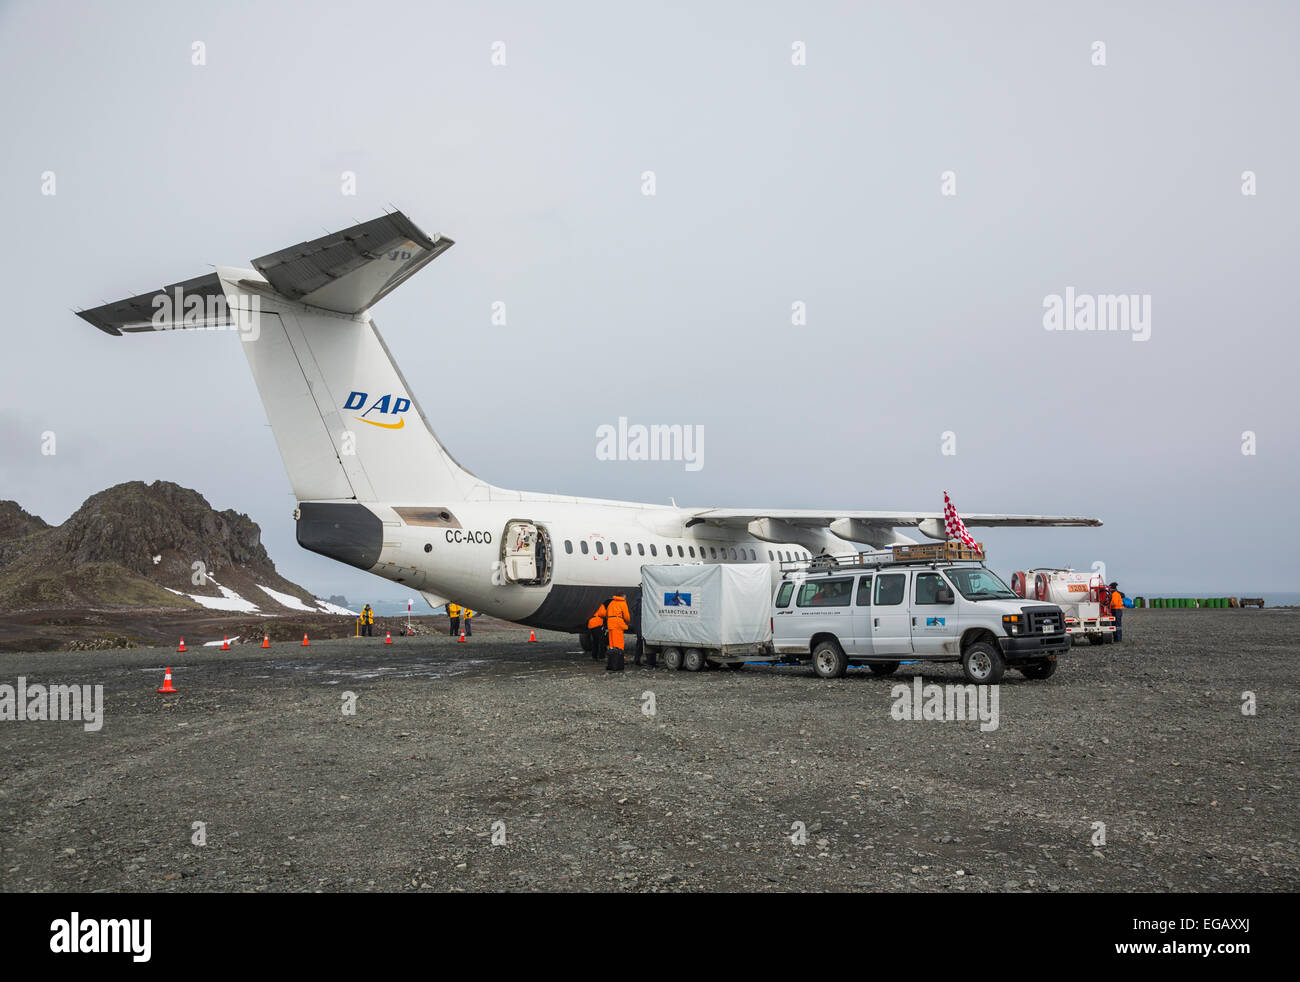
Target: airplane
377, 490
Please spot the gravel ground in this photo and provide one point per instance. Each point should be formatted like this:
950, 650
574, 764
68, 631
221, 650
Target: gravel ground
448, 740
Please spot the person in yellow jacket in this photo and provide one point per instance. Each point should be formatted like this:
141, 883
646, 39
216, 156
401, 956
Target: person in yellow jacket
466, 616
1117, 610
367, 619
596, 627
618, 618
453, 618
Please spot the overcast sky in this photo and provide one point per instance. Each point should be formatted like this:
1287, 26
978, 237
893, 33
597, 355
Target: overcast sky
775, 183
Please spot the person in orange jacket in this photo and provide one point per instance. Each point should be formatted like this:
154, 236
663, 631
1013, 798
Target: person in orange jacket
1117, 610
596, 627
618, 618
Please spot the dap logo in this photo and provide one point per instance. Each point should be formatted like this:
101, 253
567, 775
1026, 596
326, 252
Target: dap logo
677, 599
389, 406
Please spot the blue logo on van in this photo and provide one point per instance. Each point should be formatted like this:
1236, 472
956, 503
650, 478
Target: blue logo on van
935, 622
677, 599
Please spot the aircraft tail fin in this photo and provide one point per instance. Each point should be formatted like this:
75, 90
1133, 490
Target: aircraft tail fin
347, 424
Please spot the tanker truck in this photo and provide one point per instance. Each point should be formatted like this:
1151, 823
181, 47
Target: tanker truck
1083, 597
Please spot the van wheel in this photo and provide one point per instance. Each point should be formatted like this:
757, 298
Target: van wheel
883, 668
829, 661
692, 659
1038, 670
672, 658
982, 664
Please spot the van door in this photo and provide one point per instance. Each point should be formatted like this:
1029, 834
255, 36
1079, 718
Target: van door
934, 625
784, 623
862, 643
891, 630
825, 606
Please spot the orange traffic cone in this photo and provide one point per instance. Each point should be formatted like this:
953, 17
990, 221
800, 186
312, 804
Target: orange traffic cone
304, 642
225, 644
532, 636
167, 682
266, 641
182, 647
388, 637
461, 639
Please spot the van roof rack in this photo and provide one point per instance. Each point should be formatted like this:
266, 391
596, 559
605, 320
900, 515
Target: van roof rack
950, 551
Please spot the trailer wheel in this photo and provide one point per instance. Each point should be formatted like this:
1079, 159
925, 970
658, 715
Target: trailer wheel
584, 639
829, 661
672, 658
883, 668
1038, 670
692, 659
982, 664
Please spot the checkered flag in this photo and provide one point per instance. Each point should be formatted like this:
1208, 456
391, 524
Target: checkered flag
954, 526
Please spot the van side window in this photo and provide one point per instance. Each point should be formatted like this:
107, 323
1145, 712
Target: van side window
783, 598
927, 588
826, 593
864, 592
889, 589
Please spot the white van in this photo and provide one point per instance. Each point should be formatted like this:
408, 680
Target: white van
836, 615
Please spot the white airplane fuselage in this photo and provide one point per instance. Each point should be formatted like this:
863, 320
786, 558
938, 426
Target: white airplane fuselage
595, 548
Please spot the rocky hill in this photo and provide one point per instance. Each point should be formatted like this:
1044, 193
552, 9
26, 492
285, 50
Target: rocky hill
143, 545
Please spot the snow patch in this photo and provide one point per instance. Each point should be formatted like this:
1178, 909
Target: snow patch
330, 608
218, 644
285, 600
229, 600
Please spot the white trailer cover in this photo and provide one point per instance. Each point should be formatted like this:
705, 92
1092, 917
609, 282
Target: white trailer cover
706, 606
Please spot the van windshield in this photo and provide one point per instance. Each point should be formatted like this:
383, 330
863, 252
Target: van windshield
979, 584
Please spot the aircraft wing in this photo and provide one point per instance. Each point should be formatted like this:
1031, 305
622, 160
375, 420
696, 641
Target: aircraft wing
873, 527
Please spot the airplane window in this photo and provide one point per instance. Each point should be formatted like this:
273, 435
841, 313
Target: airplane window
583, 546
600, 548
568, 546
613, 547
733, 552
679, 552
640, 548
753, 556
692, 548
713, 552
770, 557
653, 550
627, 548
